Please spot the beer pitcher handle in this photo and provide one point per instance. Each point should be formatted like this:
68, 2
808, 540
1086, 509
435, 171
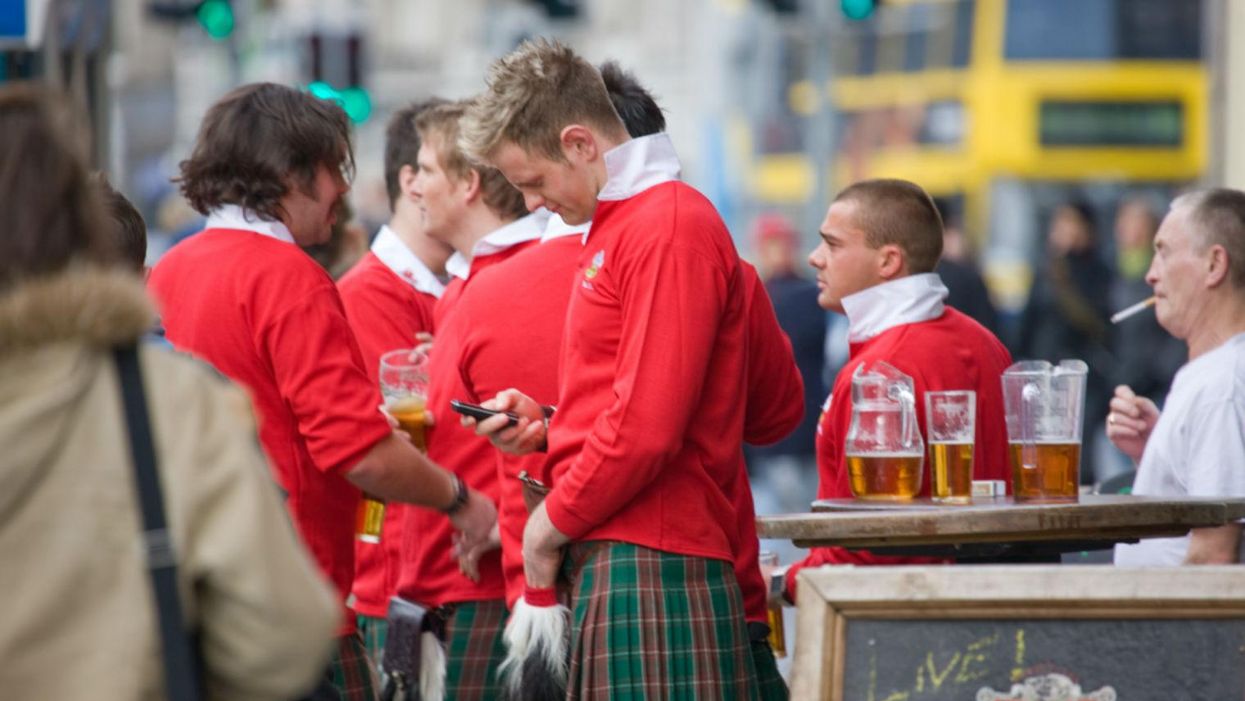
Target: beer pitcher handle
1028, 450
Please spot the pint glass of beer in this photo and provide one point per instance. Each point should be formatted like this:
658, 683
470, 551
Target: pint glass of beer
950, 425
1044, 404
777, 633
404, 387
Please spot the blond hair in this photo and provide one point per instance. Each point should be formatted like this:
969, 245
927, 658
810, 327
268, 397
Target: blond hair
439, 127
533, 93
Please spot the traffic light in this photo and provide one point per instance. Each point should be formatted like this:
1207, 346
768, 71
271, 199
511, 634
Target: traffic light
559, 9
216, 17
858, 9
336, 72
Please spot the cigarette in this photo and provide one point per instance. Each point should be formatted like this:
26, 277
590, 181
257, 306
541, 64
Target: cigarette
1133, 310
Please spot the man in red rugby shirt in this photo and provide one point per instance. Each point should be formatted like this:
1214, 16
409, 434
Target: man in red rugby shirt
389, 297
644, 450
268, 169
472, 208
880, 242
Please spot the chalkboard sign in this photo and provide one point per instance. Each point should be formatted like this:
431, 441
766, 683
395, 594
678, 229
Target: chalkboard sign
1020, 633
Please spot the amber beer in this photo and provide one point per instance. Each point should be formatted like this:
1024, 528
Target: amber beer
885, 476
369, 519
1056, 477
777, 634
409, 412
951, 465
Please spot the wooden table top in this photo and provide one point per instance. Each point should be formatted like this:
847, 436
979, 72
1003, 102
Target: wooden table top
1094, 518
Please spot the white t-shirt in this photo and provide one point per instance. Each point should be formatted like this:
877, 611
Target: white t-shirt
1197, 447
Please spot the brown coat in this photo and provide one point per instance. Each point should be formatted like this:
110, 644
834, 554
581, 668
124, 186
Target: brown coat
78, 616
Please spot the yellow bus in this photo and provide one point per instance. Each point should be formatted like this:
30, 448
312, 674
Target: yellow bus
1007, 107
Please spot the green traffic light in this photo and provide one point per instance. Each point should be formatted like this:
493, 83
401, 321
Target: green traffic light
216, 17
857, 9
355, 100
357, 103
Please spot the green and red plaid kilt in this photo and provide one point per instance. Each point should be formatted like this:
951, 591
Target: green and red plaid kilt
769, 679
373, 631
474, 649
655, 625
352, 671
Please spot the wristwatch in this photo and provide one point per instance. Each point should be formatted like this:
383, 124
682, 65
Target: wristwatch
461, 494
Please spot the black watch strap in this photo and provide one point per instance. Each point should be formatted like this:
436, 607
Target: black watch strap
461, 494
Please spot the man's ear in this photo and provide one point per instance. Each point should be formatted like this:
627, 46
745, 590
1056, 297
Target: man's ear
1217, 268
470, 185
406, 181
892, 263
578, 143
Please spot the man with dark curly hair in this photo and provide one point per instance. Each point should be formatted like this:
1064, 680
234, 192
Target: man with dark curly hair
269, 170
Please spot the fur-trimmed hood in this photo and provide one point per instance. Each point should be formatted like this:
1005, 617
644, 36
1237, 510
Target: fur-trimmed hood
94, 306
54, 332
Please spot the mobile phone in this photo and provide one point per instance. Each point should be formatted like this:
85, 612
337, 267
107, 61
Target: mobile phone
479, 413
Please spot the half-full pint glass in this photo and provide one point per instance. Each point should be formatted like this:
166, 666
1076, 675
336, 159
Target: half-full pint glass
404, 387
950, 423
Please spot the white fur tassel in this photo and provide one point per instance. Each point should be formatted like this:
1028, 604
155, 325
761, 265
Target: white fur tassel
431, 668
536, 650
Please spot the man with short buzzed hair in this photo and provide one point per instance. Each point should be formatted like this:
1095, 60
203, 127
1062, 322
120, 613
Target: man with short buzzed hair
881, 240
389, 297
1196, 446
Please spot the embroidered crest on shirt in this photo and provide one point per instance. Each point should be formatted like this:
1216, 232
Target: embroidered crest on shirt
597, 262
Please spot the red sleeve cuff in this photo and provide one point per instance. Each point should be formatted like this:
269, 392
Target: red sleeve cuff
367, 440
567, 523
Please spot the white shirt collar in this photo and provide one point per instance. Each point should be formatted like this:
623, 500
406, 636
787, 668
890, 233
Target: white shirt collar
521, 230
405, 264
908, 300
556, 228
637, 165
232, 216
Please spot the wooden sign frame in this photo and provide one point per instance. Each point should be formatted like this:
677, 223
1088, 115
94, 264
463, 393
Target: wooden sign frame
830, 597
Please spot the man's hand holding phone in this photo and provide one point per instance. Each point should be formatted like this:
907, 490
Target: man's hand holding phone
525, 436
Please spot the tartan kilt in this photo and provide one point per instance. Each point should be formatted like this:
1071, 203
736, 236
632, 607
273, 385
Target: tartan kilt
769, 679
655, 625
373, 631
352, 672
474, 649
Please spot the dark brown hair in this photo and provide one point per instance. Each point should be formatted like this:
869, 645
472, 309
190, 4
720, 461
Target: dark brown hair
257, 141
899, 212
128, 228
640, 113
439, 127
402, 144
51, 214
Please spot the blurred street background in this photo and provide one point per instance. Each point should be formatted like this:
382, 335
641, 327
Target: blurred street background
1053, 133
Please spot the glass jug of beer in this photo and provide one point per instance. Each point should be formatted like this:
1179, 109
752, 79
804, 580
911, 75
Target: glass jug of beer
1043, 405
884, 450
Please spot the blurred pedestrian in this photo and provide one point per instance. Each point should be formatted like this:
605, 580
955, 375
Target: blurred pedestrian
784, 475
1196, 446
966, 289
82, 621
269, 169
1066, 315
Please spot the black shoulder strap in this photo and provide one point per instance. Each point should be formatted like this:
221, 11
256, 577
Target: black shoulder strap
180, 670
